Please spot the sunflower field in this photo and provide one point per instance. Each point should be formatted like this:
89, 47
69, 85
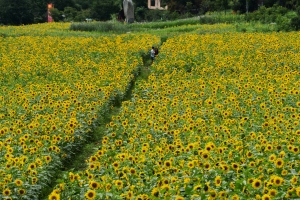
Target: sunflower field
52, 91
218, 118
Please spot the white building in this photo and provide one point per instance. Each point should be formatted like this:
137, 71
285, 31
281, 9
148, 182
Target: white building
156, 4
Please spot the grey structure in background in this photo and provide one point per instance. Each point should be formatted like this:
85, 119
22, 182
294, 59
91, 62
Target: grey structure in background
128, 11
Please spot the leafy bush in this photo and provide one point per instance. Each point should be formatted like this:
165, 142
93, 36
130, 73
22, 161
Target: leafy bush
279, 15
140, 13
295, 21
283, 23
268, 15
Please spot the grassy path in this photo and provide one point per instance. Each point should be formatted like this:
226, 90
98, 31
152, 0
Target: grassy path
78, 161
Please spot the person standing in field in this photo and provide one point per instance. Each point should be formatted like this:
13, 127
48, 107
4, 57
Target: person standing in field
152, 54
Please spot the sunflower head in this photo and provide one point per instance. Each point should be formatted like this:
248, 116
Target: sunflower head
90, 194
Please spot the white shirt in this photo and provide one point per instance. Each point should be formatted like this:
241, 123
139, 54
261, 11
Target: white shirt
152, 53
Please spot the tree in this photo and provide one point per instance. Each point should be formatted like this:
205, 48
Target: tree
56, 14
61, 4
39, 10
70, 13
16, 12
245, 5
140, 3
103, 9
84, 4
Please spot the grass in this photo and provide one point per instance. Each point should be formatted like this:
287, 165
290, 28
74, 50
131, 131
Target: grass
217, 18
117, 27
180, 25
253, 27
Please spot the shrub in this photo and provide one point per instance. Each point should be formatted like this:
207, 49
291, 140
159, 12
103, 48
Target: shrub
140, 13
295, 21
283, 23
276, 14
268, 15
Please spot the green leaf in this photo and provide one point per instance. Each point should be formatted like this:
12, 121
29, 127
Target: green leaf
188, 189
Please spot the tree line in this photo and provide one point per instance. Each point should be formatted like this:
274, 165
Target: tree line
18, 12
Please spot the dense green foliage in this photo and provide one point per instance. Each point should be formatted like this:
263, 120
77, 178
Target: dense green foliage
18, 12
284, 19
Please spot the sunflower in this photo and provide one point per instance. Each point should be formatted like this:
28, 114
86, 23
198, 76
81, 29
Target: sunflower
62, 186
191, 164
18, 182
272, 192
168, 163
94, 185
272, 157
47, 158
6, 192
252, 164
179, 198
93, 159
225, 167
235, 166
92, 166
258, 197
235, 197
278, 181
232, 185
132, 171
296, 150
31, 166
129, 195
34, 180
298, 191
71, 176
218, 181
279, 163
197, 188
155, 192
284, 172
166, 181
90, 194
222, 194
256, 184
119, 184
294, 180
107, 187
269, 147
207, 166
205, 155
22, 191
54, 196
249, 154
266, 197
116, 164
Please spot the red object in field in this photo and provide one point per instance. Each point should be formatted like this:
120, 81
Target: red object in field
50, 19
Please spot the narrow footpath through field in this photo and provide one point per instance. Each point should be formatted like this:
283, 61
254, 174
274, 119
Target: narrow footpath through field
78, 161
